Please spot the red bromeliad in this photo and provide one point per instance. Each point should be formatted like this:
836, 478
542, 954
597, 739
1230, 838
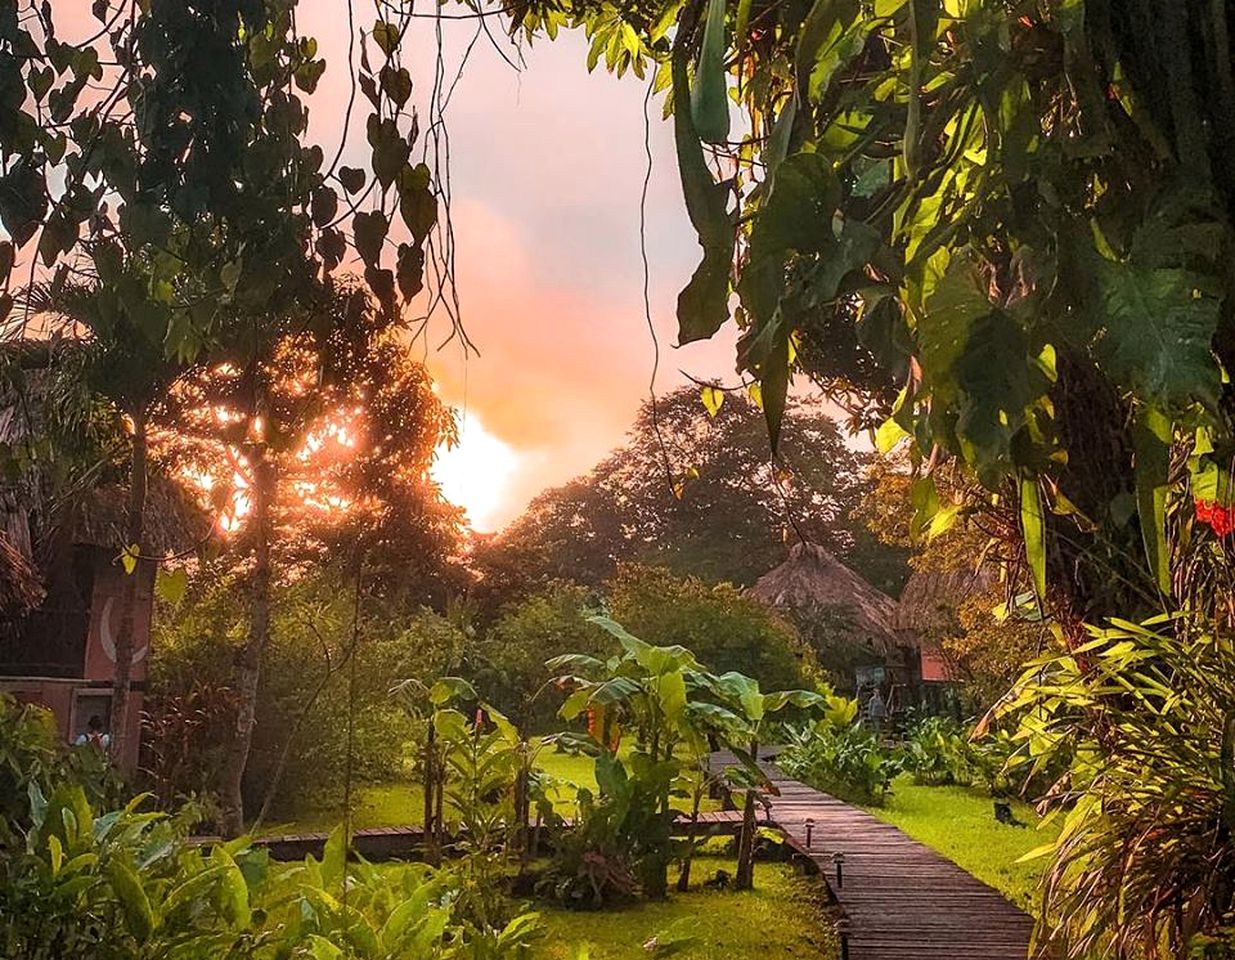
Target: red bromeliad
1220, 518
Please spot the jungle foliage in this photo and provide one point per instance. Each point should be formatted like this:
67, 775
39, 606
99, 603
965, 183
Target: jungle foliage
1002, 231
725, 630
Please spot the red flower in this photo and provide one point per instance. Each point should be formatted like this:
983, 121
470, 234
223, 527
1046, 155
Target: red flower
1221, 519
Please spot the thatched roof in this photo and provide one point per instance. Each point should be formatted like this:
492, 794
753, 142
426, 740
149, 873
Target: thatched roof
37, 520
172, 521
812, 582
21, 588
931, 597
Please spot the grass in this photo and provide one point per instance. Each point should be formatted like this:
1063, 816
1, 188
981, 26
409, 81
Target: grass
402, 803
960, 823
780, 919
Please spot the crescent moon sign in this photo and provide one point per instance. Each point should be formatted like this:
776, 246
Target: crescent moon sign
108, 640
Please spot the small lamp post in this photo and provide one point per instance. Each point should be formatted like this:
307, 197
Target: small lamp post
838, 858
810, 828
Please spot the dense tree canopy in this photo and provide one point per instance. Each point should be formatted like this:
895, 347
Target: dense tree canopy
726, 630
1006, 225
700, 493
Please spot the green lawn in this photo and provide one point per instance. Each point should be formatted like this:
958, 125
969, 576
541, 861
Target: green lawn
402, 804
780, 919
959, 822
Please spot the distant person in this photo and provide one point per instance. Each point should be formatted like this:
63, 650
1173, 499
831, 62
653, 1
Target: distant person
876, 710
94, 736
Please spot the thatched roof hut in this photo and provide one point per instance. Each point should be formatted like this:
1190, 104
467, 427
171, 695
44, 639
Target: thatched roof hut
172, 521
812, 582
21, 587
929, 602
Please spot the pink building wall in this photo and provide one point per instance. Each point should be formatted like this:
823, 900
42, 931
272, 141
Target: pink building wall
74, 699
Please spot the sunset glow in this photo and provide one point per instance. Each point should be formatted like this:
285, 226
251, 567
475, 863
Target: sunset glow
475, 473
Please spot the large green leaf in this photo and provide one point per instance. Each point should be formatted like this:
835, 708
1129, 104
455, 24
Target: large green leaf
798, 213
703, 306
743, 691
126, 884
671, 691
998, 379
1033, 526
709, 101
831, 34
1156, 339
448, 689
953, 298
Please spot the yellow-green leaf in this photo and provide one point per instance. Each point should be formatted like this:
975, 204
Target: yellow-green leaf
1036, 853
1033, 526
712, 398
1151, 441
889, 434
127, 886
171, 585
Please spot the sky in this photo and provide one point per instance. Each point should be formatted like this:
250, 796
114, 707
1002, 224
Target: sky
547, 165
546, 168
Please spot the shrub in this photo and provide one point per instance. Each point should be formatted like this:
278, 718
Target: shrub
938, 751
847, 761
725, 629
126, 884
300, 742
33, 756
620, 842
1144, 862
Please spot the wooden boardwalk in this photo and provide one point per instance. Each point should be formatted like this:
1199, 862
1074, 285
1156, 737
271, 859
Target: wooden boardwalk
406, 843
902, 900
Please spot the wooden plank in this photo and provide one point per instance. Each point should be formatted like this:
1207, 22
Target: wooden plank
901, 900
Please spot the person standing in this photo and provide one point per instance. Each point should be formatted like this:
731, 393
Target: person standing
876, 711
95, 735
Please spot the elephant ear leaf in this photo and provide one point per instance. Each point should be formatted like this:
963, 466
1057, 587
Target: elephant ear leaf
703, 306
709, 103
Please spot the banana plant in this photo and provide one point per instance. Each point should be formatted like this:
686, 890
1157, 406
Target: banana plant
745, 712
424, 702
643, 688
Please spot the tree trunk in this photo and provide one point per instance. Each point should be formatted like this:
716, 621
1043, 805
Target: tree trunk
249, 663
745, 878
431, 851
691, 842
133, 534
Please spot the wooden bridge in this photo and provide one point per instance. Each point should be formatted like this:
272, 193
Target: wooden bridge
901, 900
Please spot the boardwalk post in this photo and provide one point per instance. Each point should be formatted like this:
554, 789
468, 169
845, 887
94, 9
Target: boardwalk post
838, 858
810, 828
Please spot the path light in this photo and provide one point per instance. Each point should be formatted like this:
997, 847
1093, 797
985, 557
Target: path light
810, 827
838, 858
842, 928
